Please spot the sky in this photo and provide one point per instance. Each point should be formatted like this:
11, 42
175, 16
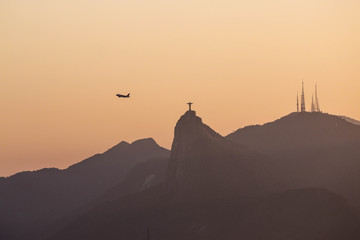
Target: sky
240, 62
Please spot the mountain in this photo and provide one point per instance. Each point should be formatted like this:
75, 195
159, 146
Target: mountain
217, 189
296, 131
263, 182
32, 199
143, 176
203, 164
314, 149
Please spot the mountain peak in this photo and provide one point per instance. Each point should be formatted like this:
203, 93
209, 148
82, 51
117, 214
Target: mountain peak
313, 117
189, 158
140, 143
190, 128
121, 144
297, 131
145, 141
190, 113
189, 119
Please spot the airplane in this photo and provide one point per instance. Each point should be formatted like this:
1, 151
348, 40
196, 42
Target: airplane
124, 96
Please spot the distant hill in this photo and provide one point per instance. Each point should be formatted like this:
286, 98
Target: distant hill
314, 149
143, 176
32, 199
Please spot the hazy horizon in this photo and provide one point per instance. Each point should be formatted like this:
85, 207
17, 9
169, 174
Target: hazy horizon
241, 63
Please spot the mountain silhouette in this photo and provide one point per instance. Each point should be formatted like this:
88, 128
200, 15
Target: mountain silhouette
203, 164
314, 150
288, 179
32, 199
216, 188
296, 131
143, 176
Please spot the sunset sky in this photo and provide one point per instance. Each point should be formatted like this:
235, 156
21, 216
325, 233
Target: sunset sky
240, 62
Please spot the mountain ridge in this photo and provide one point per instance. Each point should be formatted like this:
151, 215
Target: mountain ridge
205, 174
202, 162
296, 170
315, 149
31, 199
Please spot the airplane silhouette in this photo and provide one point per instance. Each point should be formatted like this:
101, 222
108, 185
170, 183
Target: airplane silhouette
124, 96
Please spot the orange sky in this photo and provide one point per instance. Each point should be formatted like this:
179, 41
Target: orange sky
240, 62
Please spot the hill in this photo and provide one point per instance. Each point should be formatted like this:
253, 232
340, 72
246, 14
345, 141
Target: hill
203, 164
218, 189
314, 149
33, 199
261, 182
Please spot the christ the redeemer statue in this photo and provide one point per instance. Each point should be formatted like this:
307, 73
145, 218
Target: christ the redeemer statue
189, 103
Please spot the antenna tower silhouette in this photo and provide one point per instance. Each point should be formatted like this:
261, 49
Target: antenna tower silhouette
317, 105
297, 102
303, 99
313, 109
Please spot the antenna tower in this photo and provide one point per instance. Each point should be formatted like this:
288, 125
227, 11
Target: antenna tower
297, 102
303, 99
317, 105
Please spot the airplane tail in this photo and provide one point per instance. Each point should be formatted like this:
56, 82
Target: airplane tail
128, 95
